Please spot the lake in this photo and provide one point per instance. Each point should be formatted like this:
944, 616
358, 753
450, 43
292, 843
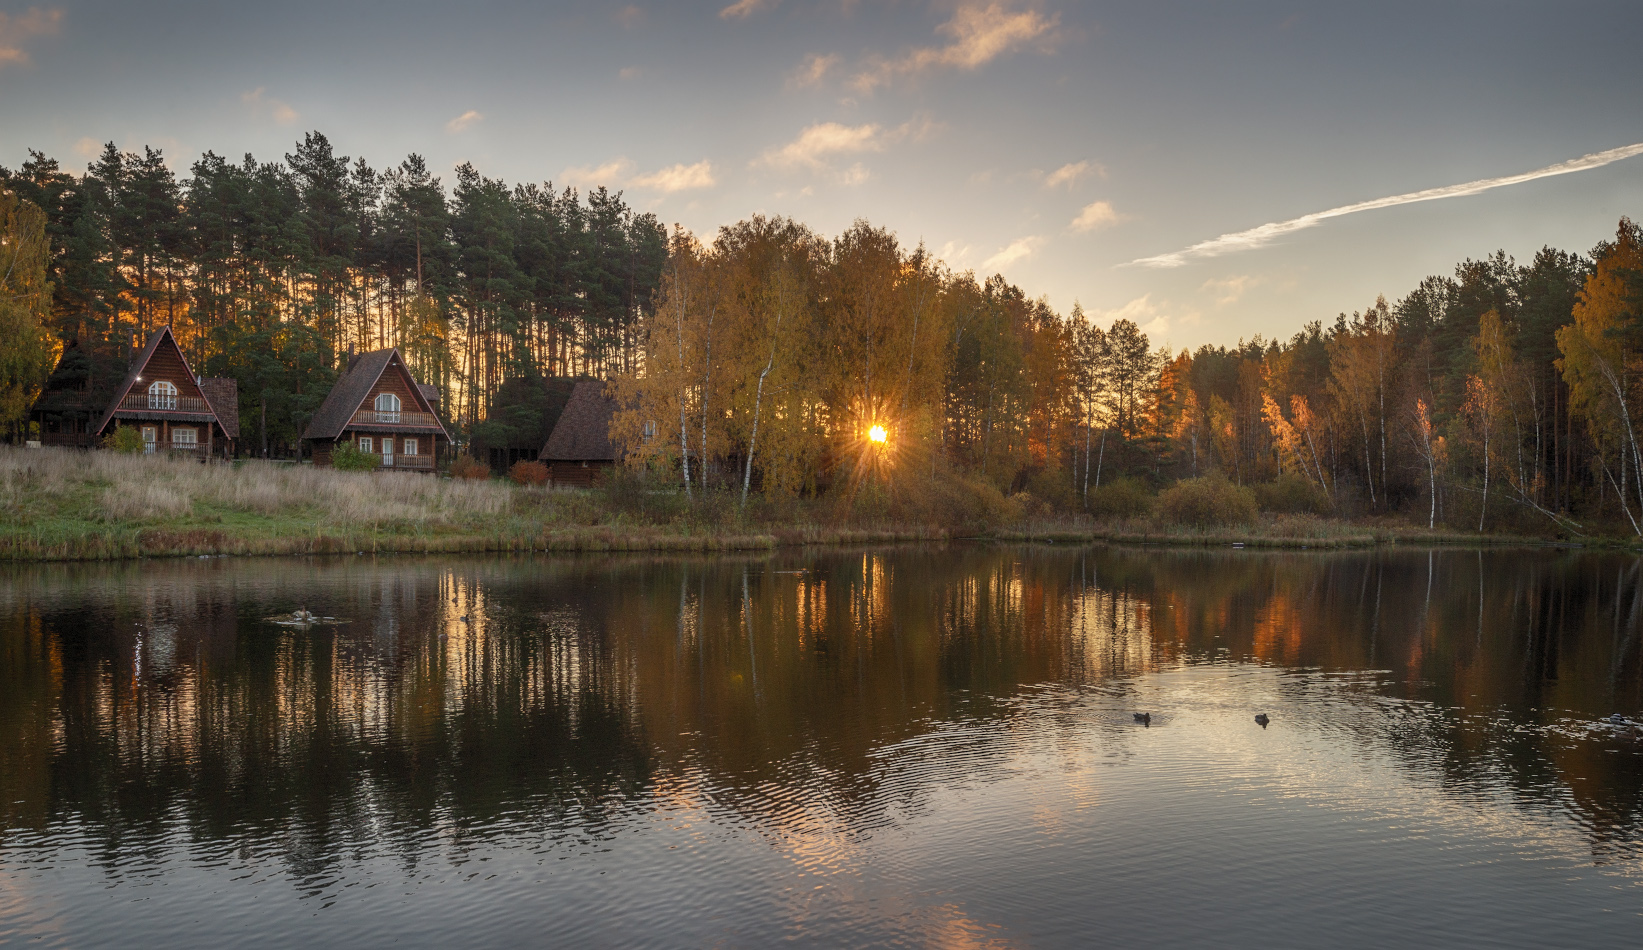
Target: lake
905, 746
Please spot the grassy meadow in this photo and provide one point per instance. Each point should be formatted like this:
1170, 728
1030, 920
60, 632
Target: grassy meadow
65, 504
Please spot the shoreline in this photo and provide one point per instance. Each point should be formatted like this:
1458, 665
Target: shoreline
186, 542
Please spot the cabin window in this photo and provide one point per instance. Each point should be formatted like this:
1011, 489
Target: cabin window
387, 447
185, 438
151, 436
650, 429
365, 443
388, 407
407, 447
162, 395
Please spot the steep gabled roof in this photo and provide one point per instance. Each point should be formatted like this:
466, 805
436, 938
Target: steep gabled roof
224, 396
583, 431
136, 369
348, 395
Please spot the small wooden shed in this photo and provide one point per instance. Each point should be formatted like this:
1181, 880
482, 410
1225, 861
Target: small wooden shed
579, 450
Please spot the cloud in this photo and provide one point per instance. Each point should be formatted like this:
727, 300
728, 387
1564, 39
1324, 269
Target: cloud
464, 120
611, 173
819, 147
1228, 290
619, 173
630, 16
258, 101
1095, 216
629, 72
88, 147
17, 29
742, 9
1070, 173
678, 178
1019, 249
1265, 234
1148, 316
818, 143
978, 33
812, 70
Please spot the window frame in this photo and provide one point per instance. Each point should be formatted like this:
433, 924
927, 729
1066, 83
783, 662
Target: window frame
364, 444
162, 394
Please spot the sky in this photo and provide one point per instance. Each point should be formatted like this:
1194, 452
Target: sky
1211, 170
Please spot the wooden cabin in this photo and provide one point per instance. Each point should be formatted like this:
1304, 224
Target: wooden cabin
579, 449
160, 396
77, 394
380, 407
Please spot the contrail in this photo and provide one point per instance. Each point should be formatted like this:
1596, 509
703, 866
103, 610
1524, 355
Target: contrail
1267, 233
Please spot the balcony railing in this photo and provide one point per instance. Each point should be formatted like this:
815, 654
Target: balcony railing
154, 402
373, 417
421, 462
175, 448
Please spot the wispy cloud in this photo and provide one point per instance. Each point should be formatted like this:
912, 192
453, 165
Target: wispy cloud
813, 70
1229, 290
1070, 173
464, 120
611, 173
1267, 233
620, 173
742, 9
1150, 317
1019, 249
629, 72
679, 177
1095, 216
822, 146
819, 143
259, 101
977, 33
630, 16
17, 29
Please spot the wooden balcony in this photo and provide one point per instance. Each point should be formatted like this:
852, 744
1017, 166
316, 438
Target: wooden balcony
418, 463
371, 418
144, 402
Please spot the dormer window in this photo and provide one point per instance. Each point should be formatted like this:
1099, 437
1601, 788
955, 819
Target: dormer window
387, 405
162, 395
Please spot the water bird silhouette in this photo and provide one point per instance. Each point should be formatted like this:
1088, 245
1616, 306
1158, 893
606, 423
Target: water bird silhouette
1144, 719
1262, 719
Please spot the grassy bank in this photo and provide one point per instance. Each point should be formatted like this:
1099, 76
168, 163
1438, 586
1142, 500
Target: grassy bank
58, 504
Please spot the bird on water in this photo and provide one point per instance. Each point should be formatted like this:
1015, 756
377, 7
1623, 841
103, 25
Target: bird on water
1262, 719
1144, 719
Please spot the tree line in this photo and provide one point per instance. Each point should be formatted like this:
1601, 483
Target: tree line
760, 360
271, 272
1505, 395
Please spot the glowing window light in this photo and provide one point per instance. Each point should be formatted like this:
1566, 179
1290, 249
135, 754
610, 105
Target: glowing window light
876, 434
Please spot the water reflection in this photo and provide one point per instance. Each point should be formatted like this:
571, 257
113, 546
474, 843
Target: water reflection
821, 703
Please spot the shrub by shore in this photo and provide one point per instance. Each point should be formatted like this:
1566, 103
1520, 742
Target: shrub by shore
60, 504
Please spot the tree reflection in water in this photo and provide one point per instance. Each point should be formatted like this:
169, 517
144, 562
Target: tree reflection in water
144, 700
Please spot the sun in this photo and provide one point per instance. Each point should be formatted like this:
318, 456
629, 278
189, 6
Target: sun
876, 434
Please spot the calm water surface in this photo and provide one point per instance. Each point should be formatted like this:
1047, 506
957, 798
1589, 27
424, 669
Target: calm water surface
910, 746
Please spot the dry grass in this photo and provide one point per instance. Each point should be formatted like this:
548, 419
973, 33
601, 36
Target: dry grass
146, 488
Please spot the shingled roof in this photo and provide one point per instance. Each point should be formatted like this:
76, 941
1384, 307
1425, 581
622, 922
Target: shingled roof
349, 393
583, 431
224, 396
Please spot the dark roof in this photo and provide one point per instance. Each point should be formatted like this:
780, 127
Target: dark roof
141, 362
429, 392
583, 432
349, 393
83, 380
224, 397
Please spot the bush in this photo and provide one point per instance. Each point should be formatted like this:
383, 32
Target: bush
346, 457
124, 439
528, 473
1120, 498
1207, 502
470, 468
1292, 495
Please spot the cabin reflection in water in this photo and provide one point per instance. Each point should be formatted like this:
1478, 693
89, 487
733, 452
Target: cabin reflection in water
134, 694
